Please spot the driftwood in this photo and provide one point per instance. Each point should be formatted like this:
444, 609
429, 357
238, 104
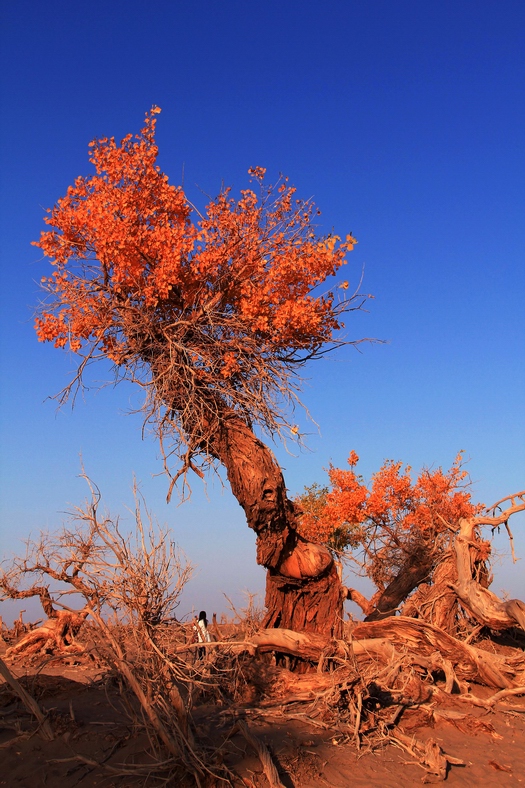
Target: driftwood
56, 635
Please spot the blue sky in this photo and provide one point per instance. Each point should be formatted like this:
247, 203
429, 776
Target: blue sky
405, 122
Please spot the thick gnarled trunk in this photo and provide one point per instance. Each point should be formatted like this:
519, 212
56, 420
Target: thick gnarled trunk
303, 590
487, 608
311, 605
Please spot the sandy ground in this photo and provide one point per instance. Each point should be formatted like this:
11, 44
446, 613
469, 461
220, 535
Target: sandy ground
90, 720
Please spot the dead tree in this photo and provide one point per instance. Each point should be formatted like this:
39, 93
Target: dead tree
483, 604
130, 585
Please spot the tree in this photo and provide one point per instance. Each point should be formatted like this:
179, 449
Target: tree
400, 524
130, 584
213, 314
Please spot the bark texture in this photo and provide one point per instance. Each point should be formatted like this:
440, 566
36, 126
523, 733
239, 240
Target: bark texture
437, 602
488, 609
303, 590
415, 570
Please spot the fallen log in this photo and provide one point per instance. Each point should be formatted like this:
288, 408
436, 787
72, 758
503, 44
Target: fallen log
411, 640
308, 646
420, 639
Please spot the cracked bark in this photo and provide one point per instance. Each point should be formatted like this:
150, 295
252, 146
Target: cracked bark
303, 590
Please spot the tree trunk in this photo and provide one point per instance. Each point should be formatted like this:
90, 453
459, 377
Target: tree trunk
437, 603
309, 605
414, 571
487, 608
303, 590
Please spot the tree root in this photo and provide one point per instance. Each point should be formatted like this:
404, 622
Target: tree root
270, 770
44, 727
56, 635
409, 640
429, 755
422, 640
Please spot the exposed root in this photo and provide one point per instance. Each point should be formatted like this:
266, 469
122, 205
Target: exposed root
56, 635
422, 641
428, 754
44, 727
262, 751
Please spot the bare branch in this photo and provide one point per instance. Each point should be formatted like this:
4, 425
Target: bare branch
495, 520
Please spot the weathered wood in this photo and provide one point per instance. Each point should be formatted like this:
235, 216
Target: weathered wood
45, 730
366, 605
57, 634
420, 639
303, 590
400, 639
308, 646
437, 602
415, 641
487, 608
416, 568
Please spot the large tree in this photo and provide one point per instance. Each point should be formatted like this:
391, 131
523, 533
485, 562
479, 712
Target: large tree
213, 314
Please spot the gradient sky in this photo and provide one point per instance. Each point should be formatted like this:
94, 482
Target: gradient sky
405, 122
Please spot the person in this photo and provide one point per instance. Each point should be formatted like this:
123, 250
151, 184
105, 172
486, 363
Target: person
201, 631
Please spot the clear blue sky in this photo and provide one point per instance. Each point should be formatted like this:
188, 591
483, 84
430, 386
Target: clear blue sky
404, 120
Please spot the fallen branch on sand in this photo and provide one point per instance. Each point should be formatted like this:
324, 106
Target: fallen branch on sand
44, 727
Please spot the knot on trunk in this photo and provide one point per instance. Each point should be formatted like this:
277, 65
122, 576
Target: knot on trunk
306, 560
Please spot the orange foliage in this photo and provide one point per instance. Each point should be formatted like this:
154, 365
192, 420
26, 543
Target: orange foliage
262, 261
389, 517
220, 301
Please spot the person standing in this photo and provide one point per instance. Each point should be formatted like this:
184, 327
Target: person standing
201, 630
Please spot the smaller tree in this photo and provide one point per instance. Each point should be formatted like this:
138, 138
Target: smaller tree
317, 526
130, 584
400, 524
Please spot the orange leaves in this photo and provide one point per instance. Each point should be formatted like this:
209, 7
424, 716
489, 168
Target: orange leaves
257, 172
219, 304
394, 500
316, 521
51, 329
391, 513
353, 459
230, 365
260, 252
